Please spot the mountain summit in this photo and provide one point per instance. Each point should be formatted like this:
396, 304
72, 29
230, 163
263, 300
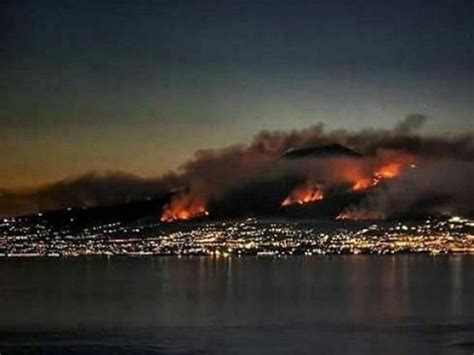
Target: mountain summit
324, 151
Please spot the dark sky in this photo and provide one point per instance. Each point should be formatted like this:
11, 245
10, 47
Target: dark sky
139, 85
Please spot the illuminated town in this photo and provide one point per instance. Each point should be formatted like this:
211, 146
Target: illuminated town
22, 237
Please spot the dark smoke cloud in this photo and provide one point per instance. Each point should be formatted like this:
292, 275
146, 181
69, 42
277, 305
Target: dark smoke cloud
410, 124
444, 163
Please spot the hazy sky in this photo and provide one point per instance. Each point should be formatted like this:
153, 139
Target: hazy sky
138, 85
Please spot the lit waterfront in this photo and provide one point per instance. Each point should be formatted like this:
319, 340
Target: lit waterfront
22, 238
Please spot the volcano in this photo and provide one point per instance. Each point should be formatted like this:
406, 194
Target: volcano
325, 151
290, 195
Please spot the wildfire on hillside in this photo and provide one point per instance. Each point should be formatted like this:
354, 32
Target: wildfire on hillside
303, 194
389, 171
386, 171
335, 175
363, 184
183, 207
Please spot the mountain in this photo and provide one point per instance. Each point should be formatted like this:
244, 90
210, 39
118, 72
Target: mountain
325, 151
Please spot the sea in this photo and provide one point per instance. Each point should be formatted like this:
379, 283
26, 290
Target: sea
332, 304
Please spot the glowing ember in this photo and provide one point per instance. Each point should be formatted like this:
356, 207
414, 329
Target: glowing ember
304, 194
362, 214
183, 207
343, 215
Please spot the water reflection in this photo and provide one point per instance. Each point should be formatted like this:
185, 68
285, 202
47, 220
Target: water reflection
456, 268
343, 304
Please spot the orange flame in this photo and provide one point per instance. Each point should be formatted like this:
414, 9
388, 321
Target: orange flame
304, 194
363, 184
389, 171
386, 171
183, 207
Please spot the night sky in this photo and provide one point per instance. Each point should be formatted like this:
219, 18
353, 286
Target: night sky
138, 86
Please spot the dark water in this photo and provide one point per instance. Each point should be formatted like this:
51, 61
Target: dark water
319, 305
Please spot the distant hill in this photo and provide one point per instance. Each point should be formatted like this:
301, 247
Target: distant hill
78, 218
